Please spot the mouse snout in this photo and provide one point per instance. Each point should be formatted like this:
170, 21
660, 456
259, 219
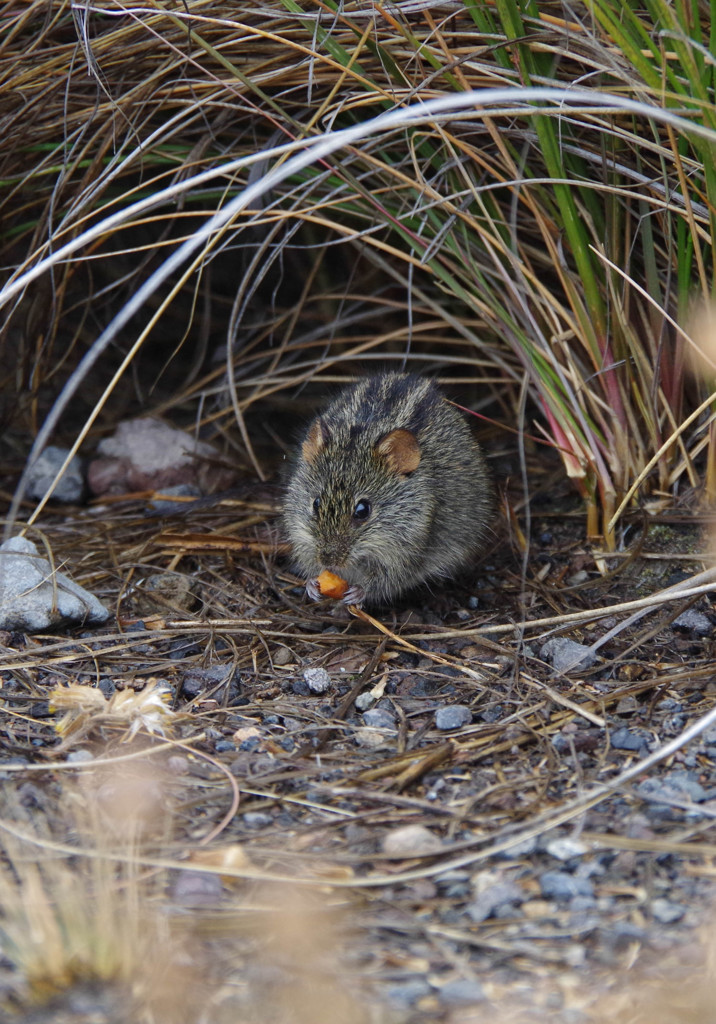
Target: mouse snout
334, 557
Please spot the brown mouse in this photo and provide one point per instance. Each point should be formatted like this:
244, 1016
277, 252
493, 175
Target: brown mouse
389, 489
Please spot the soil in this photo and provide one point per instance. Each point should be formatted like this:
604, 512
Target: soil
530, 887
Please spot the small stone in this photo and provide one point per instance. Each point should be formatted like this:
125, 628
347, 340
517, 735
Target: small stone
411, 841
676, 785
257, 819
282, 656
372, 738
452, 716
693, 621
566, 655
364, 701
627, 706
222, 746
377, 718
408, 992
522, 848
80, 756
493, 899
163, 503
197, 888
461, 992
162, 593
561, 885
317, 680
33, 597
629, 739
667, 912
44, 469
566, 848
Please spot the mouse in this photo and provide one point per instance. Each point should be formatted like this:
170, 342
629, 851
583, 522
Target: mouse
388, 489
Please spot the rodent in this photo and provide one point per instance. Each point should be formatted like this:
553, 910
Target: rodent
389, 489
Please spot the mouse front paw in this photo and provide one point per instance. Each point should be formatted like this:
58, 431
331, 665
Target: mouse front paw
313, 589
354, 595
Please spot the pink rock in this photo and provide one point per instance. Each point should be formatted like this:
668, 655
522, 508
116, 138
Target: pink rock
147, 454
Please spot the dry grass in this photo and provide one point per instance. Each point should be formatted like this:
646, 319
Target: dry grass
557, 244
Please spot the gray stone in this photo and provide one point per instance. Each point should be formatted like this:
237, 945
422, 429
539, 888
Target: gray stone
33, 598
565, 847
667, 912
493, 898
257, 819
452, 716
317, 680
163, 503
80, 756
461, 992
560, 885
629, 739
377, 718
677, 785
567, 655
694, 621
411, 841
44, 469
364, 701
408, 992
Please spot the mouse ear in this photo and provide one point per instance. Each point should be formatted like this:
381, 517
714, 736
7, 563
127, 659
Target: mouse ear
401, 451
316, 440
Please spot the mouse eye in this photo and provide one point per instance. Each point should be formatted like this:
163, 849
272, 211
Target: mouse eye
362, 509
316, 506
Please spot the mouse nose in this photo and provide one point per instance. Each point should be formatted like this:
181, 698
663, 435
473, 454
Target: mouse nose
332, 557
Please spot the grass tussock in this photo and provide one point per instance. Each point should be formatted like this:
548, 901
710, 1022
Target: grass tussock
505, 239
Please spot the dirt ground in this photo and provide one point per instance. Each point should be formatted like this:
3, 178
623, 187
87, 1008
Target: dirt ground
558, 865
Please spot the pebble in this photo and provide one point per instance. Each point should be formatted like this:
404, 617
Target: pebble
364, 701
567, 655
408, 992
199, 680
411, 841
694, 621
317, 680
494, 898
197, 887
452, 716
630, 739
282, 656
43, 470
667, 912
561, 885
33, 598
221, 746
565, 848
80, 756
377, 718
676, 784
461, 992
162, 593
257, 819
371, 738
164, 503
523, 848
